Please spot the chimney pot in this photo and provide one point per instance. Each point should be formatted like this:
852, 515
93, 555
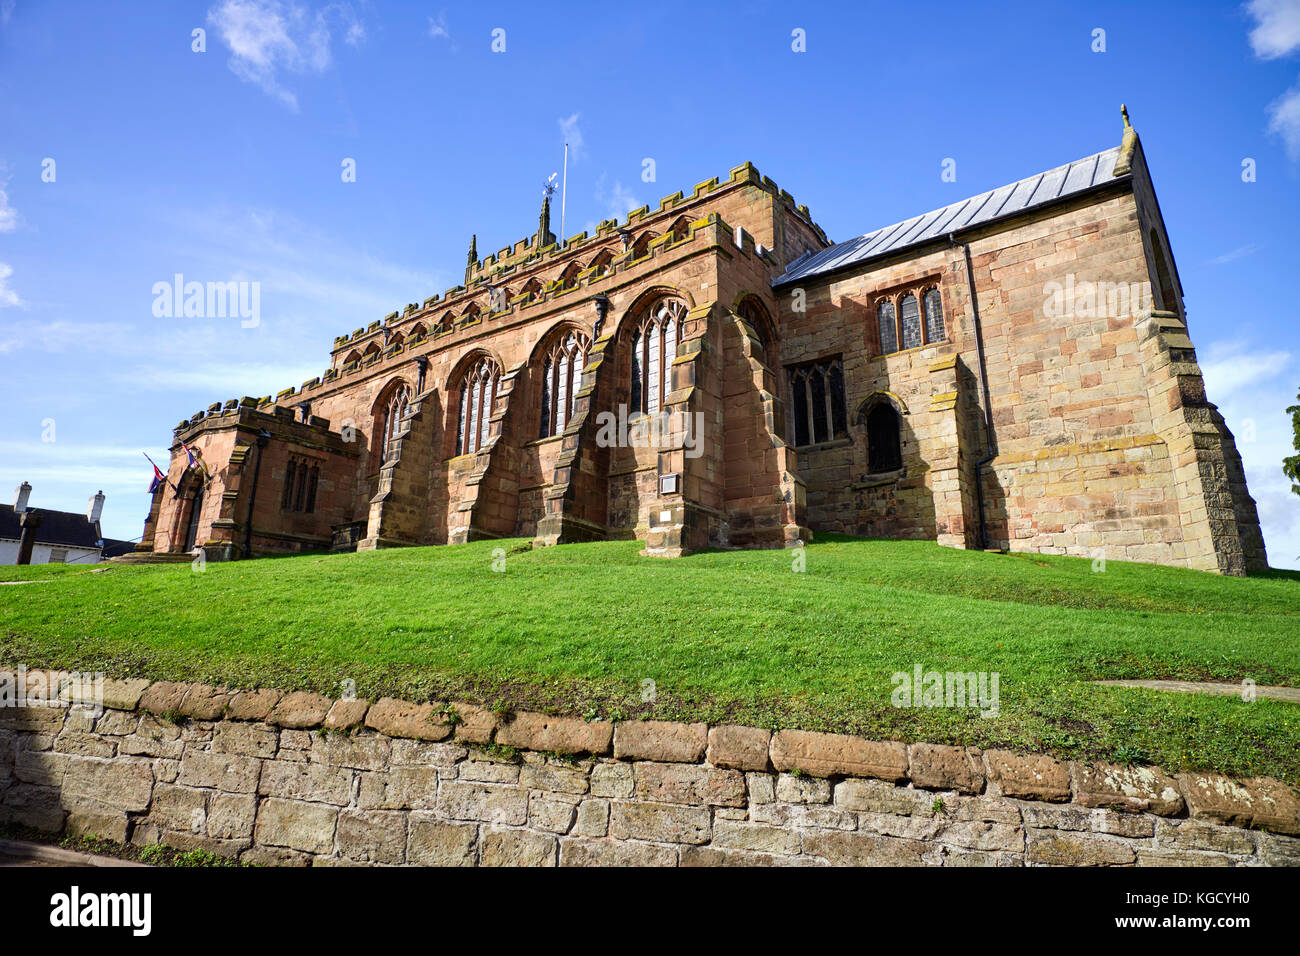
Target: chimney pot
21, 494
96, 507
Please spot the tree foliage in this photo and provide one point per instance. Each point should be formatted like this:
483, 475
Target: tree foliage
1291, 465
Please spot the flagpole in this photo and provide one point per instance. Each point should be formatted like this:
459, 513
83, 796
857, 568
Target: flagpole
164, 474
564, 192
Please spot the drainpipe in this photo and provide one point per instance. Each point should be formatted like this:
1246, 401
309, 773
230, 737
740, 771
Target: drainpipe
263, 439
990, 447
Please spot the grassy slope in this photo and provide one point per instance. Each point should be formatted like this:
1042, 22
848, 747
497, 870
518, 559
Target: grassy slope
734, 635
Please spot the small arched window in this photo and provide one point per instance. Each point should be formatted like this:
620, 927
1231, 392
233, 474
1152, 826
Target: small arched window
418, 330
477, 392
393, 413
884, 439
600, 264
561, 379
569, 277
934, 326
888, 327
909, 314
641, 247
752, 312
532, 289
353, 356
653, 350
681, 228
372, 351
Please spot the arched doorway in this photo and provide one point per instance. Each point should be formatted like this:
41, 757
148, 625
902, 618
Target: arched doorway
196, 511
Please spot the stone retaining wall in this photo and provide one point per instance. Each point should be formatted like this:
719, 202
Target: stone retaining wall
298, 779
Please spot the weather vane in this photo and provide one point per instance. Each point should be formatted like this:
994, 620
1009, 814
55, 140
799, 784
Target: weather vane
548, 187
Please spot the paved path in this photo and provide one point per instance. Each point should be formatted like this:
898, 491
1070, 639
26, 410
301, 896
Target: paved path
26, 853
1290, 694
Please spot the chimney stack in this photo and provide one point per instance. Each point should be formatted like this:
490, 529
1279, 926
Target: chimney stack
21, 494
96, 507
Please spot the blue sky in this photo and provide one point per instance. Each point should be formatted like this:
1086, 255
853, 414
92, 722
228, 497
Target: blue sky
226, 165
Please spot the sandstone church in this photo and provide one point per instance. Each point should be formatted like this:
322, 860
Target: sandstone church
1012, 371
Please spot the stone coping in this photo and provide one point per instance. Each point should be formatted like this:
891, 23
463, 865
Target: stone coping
1261, 802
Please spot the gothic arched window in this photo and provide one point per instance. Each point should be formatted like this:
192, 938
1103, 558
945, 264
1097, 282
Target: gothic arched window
909, 314
600, 264
653, 350
477, 391
393, 413
681, 229
641, 248
569, 277
753, 312
884, 441
934, 327
888, 328
817, 391
561, 378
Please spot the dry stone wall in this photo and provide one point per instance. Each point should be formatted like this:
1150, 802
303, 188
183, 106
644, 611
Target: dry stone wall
300, 779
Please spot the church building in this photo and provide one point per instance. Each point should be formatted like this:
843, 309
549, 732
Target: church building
1012, 371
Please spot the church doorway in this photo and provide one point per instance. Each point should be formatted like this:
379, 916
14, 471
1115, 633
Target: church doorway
196, 510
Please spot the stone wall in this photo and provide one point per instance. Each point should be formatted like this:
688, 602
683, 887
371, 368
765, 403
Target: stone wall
300, 779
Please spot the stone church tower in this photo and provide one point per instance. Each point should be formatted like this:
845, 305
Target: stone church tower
1012, 371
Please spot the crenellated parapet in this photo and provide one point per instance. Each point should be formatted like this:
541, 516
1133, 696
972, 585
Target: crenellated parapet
528, 258
444, 319
253, 414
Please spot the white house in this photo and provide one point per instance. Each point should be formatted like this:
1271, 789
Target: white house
62, 536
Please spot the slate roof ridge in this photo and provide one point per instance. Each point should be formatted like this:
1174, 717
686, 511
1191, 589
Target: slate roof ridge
1010, 199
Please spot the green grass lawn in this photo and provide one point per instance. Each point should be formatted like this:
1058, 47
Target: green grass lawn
735, 636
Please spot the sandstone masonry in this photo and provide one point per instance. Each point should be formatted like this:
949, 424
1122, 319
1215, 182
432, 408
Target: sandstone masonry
264, 779
916, 382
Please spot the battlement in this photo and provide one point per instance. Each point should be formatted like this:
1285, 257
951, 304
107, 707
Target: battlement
256, 412
523, 257
709, 231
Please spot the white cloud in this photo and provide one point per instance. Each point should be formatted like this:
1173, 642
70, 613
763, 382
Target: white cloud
1277, 33
1279, 514
224, 379
1277, 27
1240, 252
1252, 388
6, 11
1284, 120
573, 136
8, 297
438, 26
1227, 367
106, 338
617, 201
267, 37
9, 217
